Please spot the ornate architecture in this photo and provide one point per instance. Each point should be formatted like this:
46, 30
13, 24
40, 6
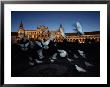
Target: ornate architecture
42, 32
93, 36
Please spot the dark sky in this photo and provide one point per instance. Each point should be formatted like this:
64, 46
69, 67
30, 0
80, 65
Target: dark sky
90, 20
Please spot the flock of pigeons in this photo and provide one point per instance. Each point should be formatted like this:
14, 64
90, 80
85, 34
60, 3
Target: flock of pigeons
40, 51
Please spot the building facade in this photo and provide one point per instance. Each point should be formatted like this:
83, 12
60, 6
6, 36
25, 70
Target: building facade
42, 32
93, 36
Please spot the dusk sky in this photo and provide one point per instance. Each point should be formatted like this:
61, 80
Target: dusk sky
90, 20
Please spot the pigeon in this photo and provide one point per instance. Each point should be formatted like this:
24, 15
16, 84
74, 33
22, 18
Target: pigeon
40, 54
81, 53
31, 63
46, 43
24, 47
70, 60
80, 69
38, 43
52, 60
63, 53
38, 61
75, 56
54, 56
88, 64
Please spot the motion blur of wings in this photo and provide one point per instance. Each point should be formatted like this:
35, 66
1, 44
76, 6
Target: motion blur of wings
78, 28
24, 47
38, 43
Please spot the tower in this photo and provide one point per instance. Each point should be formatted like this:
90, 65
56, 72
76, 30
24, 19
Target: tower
61, 28
21, 25
60, 25
21, 31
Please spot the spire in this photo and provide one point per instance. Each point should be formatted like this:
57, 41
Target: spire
61, 26
21, 25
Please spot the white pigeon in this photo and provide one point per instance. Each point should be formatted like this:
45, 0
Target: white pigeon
75, 56
79, 27
38, 43
24, 47
81, 53
46, 47
70, 60
54, 56
63, 53
80, 69
52, 60
46, 43
31, 63
40, 54
38, 61
88, 64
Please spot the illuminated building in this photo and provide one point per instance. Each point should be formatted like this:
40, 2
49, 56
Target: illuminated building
42, 32
72, 37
